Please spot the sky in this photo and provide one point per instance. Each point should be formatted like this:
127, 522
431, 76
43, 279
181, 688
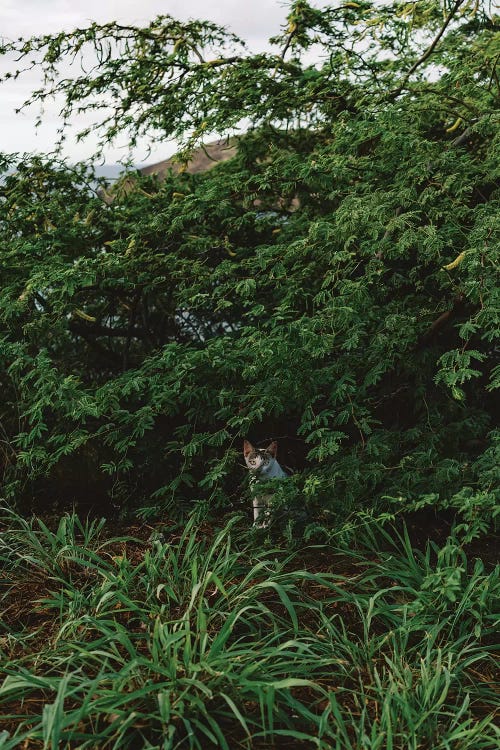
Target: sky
253, 20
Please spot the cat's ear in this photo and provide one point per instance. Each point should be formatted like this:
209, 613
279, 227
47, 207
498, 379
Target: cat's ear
247, 448
273, 449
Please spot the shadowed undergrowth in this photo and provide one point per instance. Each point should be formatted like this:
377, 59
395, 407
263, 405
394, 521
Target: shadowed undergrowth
199, 640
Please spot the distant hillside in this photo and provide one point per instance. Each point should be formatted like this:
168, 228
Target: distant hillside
204, 158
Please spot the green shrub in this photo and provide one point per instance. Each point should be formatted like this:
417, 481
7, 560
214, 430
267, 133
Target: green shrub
333, 285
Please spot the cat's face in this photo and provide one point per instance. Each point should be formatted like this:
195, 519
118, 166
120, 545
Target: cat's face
257, 459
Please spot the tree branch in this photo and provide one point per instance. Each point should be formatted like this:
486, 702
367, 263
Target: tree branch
96, 330
428, 52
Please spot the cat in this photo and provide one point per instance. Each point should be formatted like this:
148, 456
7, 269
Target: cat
263, 466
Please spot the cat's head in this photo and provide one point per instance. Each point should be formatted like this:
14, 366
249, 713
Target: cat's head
257, 459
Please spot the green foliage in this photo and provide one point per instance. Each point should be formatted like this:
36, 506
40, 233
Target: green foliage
334, 283
199, 641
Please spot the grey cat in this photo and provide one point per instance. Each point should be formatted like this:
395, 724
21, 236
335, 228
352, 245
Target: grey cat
263, 466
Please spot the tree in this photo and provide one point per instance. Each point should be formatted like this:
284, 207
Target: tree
333, 284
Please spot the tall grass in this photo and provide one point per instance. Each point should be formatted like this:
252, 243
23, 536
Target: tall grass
421, 662
203, 641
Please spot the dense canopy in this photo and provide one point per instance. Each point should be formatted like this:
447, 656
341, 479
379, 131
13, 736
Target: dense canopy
332, 285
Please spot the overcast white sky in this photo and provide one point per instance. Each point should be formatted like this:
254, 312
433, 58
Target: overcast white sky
253, 20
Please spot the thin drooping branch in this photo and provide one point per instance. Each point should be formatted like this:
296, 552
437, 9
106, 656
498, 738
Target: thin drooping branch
428, 52
442, 320
462, 138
